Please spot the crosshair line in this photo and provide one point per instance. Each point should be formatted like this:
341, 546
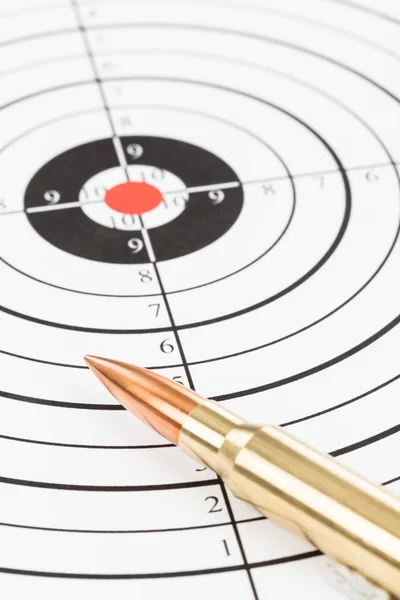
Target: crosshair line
196, 189
150, 251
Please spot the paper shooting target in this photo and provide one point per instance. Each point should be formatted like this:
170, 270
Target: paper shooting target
209, 190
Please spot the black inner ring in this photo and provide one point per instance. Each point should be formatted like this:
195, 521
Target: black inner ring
201, 223
255, 390
318, 265
262, 563
263, 143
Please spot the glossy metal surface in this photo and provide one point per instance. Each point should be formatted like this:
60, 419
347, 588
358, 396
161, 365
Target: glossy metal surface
348, 518
155, 400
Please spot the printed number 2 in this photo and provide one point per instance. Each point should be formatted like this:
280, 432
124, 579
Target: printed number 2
215, 501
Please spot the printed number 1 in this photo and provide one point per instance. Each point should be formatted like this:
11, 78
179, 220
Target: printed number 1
225, 543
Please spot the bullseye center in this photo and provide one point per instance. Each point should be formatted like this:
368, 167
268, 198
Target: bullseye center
133, 197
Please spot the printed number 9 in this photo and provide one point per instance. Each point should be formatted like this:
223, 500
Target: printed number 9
52, 196
134, 150
216, 196
135, 245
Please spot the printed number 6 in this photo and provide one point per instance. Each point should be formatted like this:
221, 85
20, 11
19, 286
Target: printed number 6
166, 347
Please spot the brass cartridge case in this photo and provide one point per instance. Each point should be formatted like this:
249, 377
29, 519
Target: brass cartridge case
348, 518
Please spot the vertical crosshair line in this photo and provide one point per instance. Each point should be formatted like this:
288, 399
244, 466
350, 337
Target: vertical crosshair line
150, 251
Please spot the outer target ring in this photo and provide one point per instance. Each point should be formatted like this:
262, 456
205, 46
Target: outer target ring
264, 562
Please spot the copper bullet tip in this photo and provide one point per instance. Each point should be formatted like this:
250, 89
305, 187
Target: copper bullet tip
157, 401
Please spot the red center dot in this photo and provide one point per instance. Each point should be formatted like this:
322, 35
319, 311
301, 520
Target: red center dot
133, 197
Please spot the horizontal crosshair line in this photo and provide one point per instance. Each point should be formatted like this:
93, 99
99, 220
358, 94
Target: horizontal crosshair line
203, 188
47, 207
190, 190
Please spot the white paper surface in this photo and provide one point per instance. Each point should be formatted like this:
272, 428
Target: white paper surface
279, 297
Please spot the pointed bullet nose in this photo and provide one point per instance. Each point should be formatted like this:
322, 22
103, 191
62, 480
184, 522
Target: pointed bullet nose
117, 376
96, 362
101, 367
91, 360
154, 399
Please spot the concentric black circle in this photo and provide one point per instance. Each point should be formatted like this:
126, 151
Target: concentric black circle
200, 224
274, 41
39, 192
371, 339
236, 127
